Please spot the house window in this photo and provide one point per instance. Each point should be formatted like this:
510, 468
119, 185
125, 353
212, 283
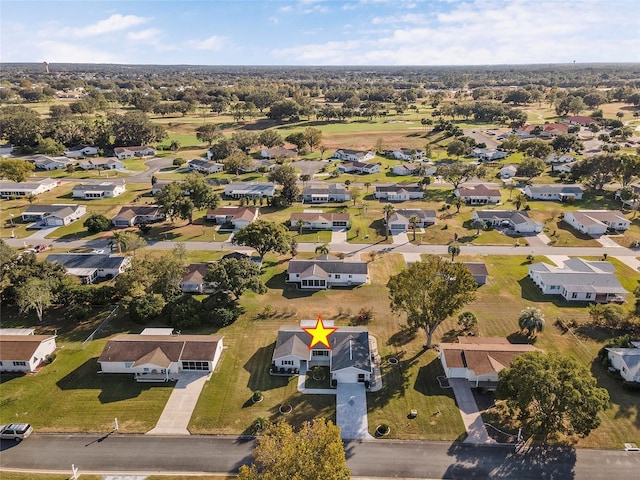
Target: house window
128, 364
19, 364
337, 276
320, 353
361, 377
588, 296
350, 276
574, 295
195, 366
287, 362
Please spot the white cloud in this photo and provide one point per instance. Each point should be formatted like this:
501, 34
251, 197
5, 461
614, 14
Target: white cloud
62, 52
488, 32
150, 36
114, 23
285, 9
212, 43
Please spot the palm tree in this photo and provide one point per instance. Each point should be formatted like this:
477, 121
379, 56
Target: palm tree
413, 220
367, 185
520, 201
388, 210
323, 249
305, 177
120, 239
300, 224
458, 202
454, 250
531, 321
175, 145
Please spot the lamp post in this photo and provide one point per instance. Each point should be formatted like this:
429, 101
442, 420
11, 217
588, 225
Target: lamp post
11, 218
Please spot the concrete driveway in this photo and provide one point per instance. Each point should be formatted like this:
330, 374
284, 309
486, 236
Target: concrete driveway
177, 412
476, 431
351, 411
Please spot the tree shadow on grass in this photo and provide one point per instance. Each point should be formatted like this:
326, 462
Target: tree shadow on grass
305, 408
520, 339
426, 381
258, 368
627, 401
113, 387
396, 379
402, 337
480, 462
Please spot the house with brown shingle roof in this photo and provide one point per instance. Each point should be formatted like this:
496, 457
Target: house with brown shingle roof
479, 359
131, 215
239, 217
22, 351
319, 220
160, 358
478, 194
193, 279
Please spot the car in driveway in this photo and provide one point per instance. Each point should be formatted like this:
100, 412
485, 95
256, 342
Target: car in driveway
15, 431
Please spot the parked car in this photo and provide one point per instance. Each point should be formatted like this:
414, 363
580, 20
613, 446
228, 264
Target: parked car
15, 431
43, 247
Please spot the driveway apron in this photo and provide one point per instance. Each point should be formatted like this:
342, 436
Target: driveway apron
476, 431
177, 412
351, 411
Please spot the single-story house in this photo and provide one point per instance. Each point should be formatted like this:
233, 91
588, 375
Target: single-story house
318, 220
554, 158
160, 358
579, 280
325, 192
89, 191
398, 193
596, 222
519, 221
279, 153
554, 192
132, 215
57, 214
400, 219
22, 351
408, 154
50, 163
80, 151
407, 168
239, 217
626, 361
488, 154
479, 271
205, 166
193, 279
359, 168
479, 359
25, 189
478, 194
132, 152
348, 359
547, 130
90, 266
563, 167
579, 120
508, 171
250, 189
101, 164
326, 271
353, 155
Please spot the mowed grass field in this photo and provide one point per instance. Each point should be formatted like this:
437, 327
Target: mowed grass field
90, 401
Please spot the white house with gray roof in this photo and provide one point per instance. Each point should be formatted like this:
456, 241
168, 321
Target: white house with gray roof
26, 189
250, 189
90, 266
58, 214
43, 162
325, 192
101, 164
348, 359
579, 280
206, 166
597, 222
91, 191
80, 151
400, 219
408, 154
353, 155
518, 221
398, 193
554, 192
326, 271
626, 361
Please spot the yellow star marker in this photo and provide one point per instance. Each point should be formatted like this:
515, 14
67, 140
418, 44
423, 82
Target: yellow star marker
319, 334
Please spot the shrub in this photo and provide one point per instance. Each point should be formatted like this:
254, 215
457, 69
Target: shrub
97, 223
183, 312
178, 162
145, 308
364, 316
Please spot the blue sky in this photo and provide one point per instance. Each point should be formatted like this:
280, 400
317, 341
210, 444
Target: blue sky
321, 32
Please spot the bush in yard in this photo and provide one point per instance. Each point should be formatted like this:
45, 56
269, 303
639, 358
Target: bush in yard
364, 316
97, 223
178, 162
468, 322
184, 312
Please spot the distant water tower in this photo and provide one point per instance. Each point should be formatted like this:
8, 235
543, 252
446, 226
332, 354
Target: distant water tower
46, 66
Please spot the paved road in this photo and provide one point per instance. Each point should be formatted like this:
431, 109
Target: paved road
379, 458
